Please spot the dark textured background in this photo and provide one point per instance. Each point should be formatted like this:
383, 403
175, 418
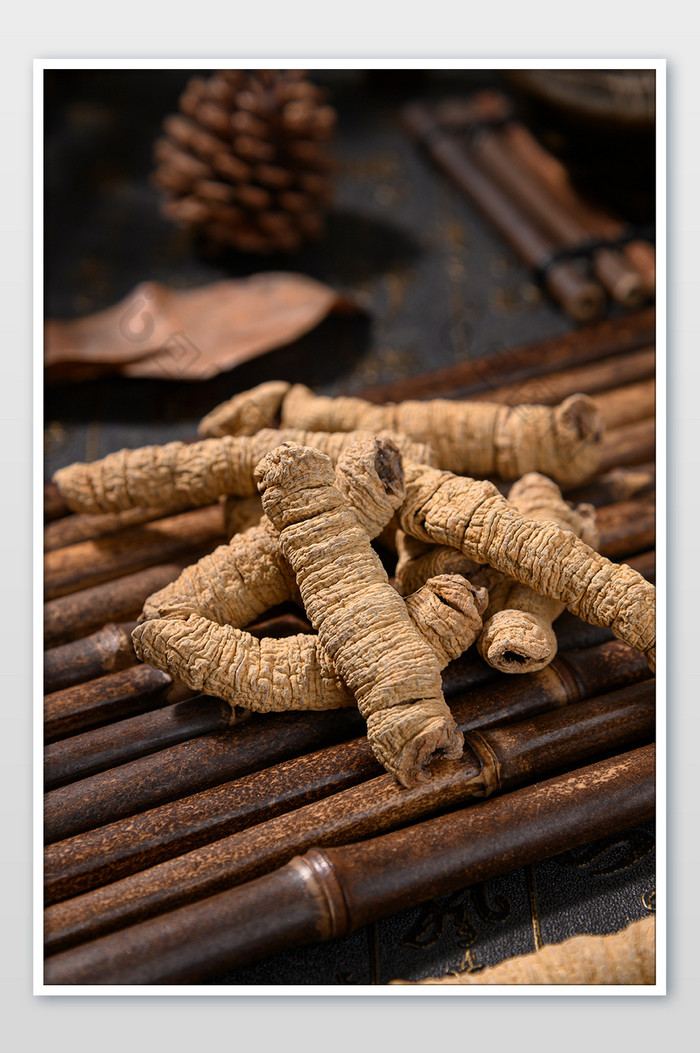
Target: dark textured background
437, 287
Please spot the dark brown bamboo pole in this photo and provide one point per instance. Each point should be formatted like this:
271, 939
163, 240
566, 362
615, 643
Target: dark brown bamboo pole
544, 166
627, 404
81, 613
83, 526
107, 651
329, 892
109, 698
605, 340
125, 740
581, 298
495, 760
120, 848
629, 444
102, 559
617, 484
54, 505
191, 766
621, 281
593, 378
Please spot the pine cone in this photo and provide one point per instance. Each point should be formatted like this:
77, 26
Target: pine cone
245, 160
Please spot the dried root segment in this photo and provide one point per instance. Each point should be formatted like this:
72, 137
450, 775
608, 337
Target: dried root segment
518, 635
362, 622
469, 438
419, 561
295, 673
181, 474
240, 581
475, 518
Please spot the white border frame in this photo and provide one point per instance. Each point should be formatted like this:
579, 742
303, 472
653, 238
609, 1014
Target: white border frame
659, 65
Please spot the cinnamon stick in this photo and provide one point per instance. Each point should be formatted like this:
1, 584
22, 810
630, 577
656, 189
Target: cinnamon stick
490, 150
80, 862
581, 298
330, 892
107, 651
89, 563
544, 166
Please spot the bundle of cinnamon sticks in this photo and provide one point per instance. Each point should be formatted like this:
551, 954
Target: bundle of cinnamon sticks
581, 253
179, 845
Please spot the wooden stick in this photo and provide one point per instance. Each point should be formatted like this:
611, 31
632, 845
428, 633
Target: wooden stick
617, 484
629, 444
627, 527
81, 613
90, 563
54, 505
107, 651
111, 697
191, 766
581, 298
625, 405
82, 526
120, 848
328, 893
593, 378
594, 343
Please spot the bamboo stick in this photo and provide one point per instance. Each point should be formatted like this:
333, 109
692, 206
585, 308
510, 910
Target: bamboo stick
110, 697
120, 848
107, 651
89, 563
82, 526
191, 766
629, 444
581, 298
329, 892
81, 613
606, 340
495, 761
593, 378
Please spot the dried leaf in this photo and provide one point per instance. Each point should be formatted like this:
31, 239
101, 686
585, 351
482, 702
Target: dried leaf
188, 334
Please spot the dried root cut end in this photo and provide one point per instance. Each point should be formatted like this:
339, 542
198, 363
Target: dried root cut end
362, 622
247, 412
370, 477
517, 642
518, 635
578, 427
473, 516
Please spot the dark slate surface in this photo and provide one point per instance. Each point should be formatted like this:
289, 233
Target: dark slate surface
437, 287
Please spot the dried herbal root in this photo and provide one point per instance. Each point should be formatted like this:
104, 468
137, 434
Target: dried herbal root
469, 438
472, 516
189, 474
239, 581
361, 620
295, 673
419, 561
518, 636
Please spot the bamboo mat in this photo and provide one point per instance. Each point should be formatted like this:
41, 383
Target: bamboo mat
124, 743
